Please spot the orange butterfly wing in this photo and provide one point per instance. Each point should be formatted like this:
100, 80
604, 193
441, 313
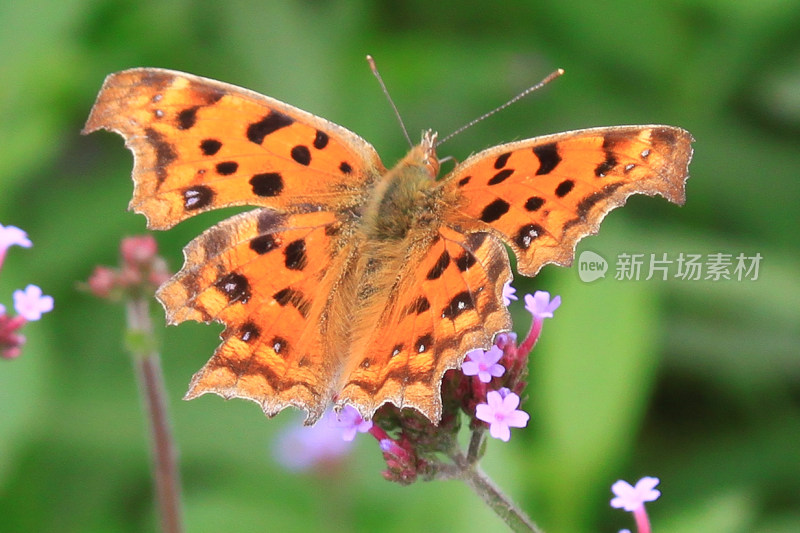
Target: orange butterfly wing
542, 195
200, 144
263, 274
447, 301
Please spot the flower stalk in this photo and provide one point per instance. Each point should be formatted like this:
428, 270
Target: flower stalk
142, 271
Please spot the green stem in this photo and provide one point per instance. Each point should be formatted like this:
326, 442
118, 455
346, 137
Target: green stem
484, 487
152, 390
475, 445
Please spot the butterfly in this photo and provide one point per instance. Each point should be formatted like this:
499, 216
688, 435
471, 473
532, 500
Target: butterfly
350, 283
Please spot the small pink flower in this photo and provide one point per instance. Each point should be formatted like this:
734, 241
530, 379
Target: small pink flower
540, 305
509, 294
102, 281
501, 413
139, 249
484, 364
631, 498
11, 235
349, 420
31, 304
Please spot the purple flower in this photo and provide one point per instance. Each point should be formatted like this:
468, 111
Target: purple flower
11, 235
540, 305
31, 304
504, 339
501, 413
303, 447
508, 293
349, 420
632, 498
484, 364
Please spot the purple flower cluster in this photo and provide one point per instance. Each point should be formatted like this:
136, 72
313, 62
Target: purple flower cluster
500, 407
29, 303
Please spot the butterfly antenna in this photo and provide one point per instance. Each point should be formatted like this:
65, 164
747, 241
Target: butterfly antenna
377, 74
523, 94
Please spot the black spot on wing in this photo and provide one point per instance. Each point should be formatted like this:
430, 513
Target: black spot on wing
439, 267
420, 305
271, 123
527, 234
564, 188
279, 345
294, 297
226, 168
235, 287
321, 140
301, 154
548, 157
606, 166
210, 146
501, 176
187, 118
423, 343
460, 303
267, 184
197, 197
465, 261
494, 210
249, 332
264, 244
534, 203
295, 255
501, 160
165, 153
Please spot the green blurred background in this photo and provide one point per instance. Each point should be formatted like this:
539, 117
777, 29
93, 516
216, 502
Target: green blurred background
697, 383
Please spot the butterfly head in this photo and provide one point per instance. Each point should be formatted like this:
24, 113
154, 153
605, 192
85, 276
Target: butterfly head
427, 149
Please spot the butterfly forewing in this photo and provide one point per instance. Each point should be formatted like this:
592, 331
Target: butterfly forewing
542, 195
200, 144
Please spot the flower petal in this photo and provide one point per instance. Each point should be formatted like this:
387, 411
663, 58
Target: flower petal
500, 431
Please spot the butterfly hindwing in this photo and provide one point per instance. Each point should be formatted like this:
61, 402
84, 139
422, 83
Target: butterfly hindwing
542, 195
446, 302
261, 273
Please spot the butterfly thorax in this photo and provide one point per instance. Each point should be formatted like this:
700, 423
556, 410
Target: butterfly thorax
405, 198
